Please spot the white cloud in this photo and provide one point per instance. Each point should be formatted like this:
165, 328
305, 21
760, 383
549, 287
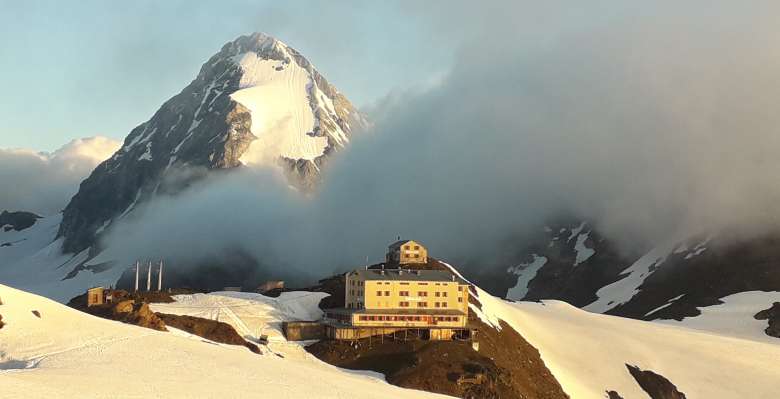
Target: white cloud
43, 182
650, 119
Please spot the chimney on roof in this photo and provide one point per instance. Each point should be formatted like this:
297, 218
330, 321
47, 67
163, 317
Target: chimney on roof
453, 277
400, 272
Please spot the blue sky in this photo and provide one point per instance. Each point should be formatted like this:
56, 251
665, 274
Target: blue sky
77, 69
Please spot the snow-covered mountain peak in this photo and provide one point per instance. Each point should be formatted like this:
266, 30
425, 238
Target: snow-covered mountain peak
256, 102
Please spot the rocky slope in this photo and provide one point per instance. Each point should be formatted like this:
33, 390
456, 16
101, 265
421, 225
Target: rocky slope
505, 366
257, 101
573, 262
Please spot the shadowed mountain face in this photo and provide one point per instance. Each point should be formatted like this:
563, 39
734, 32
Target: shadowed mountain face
573, 262
204, 129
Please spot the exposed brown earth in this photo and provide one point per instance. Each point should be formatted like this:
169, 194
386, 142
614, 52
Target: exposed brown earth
127, 311
80, 302
1, 321
772, 315
213, 330
133, 308
130, 308
656, 385
613, 395
505, 366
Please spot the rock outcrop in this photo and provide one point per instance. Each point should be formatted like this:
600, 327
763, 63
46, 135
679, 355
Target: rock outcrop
17, 221
772, 315
656, 385
213, 330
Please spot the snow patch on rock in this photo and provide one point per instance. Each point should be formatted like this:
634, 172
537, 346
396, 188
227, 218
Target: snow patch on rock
525, 272
583, 253
624, 289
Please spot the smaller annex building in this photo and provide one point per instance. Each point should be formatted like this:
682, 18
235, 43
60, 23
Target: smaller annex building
403, 252
384, 301
98, 296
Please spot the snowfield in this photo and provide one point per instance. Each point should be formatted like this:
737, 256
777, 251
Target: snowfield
252, 315
34, 262
282, 98
587, 352
734, 318
69, 354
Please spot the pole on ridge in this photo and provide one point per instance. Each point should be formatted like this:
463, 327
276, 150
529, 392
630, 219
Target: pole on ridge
137, 268
159, 277
149, 277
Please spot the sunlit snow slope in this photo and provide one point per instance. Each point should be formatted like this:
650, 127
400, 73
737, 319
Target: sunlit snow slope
252, 315
282, 97
32, 260
734, 317
69, 354
588, 352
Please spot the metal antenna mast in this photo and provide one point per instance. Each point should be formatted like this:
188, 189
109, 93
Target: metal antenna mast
137, 267
159, 277
149, 278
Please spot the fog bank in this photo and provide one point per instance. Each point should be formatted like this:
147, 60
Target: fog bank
44, 182
650, 120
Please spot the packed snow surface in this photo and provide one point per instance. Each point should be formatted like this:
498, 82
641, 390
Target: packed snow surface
587, 352
69, 354
734, 317
277, 96
252, 315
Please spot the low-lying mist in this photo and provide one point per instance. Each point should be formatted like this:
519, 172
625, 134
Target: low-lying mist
650, 121
43, 182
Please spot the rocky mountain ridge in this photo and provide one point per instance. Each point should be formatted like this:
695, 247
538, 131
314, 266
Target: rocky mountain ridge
210, 125
574, 262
